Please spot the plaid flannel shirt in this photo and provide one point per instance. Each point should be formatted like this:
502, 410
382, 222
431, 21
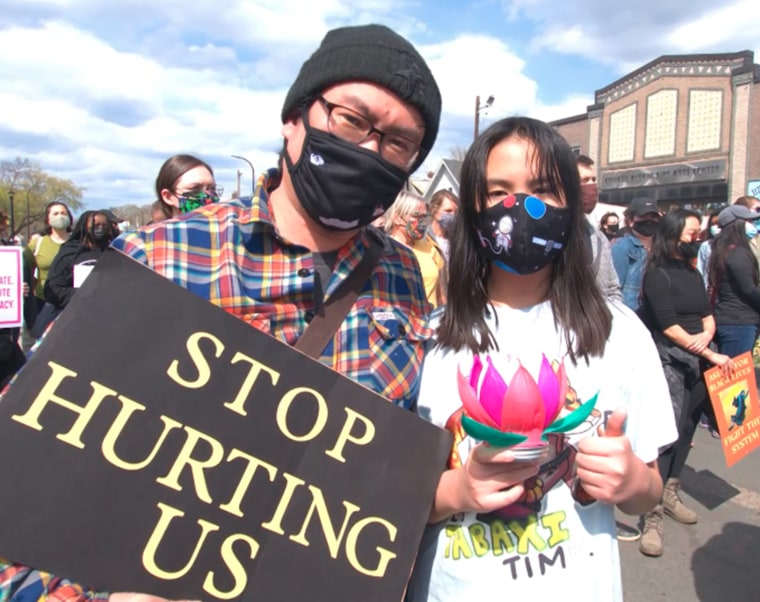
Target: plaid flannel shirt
232, 255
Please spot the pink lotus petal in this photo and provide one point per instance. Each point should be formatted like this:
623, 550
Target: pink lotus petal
491, 394
563, 387
477, 367
471, 404
549, 385
523, 408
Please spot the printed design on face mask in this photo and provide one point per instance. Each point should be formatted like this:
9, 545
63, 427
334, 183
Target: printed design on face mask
191, 203
502, 240
522, 234
316, 159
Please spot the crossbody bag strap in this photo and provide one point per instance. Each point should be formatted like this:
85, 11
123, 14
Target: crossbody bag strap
326, 322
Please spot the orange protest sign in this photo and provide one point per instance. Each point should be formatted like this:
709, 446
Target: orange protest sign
737, 409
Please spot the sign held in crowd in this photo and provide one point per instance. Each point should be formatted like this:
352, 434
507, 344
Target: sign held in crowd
737, 410
11, 281
160, 445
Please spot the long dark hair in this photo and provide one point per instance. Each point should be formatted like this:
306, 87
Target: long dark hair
667, 235
577, 303
731, 237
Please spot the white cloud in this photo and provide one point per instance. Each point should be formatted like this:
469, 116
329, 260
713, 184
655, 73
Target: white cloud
627, 35
471, 65
102, 93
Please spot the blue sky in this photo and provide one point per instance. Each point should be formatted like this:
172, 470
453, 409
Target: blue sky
102, 92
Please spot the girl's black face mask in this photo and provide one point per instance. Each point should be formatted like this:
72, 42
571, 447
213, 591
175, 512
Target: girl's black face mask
522, 234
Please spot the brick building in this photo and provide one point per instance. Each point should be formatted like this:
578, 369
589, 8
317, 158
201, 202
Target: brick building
682, 129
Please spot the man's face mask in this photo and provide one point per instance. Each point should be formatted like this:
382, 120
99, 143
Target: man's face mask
522, 234
340, 185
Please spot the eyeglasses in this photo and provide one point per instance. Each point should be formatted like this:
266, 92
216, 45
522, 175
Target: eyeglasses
351, 126
196, 192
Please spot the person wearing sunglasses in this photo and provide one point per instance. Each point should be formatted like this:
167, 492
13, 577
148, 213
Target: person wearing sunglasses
185, 183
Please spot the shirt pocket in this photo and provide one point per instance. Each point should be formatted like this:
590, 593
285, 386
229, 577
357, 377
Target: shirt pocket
396, 347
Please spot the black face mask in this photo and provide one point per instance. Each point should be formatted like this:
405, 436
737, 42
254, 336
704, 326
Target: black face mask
100, 234
612, 228
522, 234
645, 228
688, 250
342, 186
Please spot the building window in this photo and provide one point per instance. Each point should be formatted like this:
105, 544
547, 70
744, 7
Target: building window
622, 134
705, 114
660, 138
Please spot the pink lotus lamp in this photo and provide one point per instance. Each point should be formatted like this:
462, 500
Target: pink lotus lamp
520, 414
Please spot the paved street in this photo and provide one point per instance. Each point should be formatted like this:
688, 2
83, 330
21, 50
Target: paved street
717, 559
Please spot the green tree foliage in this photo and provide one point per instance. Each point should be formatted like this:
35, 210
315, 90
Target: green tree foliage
33, 190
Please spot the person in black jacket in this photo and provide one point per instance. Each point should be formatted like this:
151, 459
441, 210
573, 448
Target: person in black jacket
675, 306
93, 233
734, 278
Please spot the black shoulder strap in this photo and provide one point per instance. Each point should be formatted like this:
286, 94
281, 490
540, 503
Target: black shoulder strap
326, 322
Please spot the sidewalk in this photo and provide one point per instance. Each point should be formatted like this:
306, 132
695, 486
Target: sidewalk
717, 559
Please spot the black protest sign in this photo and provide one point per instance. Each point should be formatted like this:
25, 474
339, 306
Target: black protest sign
156, 443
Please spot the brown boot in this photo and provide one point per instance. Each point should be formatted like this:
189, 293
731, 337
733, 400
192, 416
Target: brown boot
650, 543
673, 505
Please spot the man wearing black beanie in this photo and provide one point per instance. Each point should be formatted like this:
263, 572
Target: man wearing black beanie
361, 115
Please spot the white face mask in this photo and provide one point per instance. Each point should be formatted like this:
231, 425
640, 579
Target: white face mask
714, 230
60, 222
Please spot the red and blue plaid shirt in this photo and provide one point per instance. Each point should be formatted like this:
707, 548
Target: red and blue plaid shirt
232, 255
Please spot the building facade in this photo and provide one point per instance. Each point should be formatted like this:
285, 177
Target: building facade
683, 130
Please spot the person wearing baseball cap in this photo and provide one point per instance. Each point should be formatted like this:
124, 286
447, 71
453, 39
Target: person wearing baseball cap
360, 117
630, 252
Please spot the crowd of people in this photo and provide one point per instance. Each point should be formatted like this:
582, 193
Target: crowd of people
509, 272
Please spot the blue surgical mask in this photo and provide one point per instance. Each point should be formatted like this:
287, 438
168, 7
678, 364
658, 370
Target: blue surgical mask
714, 230
750, 229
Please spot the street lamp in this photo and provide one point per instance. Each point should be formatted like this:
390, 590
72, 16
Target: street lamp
253, 177
478, 109
11, 194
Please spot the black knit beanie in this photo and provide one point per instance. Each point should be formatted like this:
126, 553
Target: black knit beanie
371, 53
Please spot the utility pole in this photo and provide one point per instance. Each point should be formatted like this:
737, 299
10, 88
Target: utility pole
478, 109
253, 174
239, 173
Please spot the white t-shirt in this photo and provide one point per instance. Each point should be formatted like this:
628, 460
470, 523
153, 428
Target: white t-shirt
549, 545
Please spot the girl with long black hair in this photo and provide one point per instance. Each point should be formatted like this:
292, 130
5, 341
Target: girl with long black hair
526, 319
676, 309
